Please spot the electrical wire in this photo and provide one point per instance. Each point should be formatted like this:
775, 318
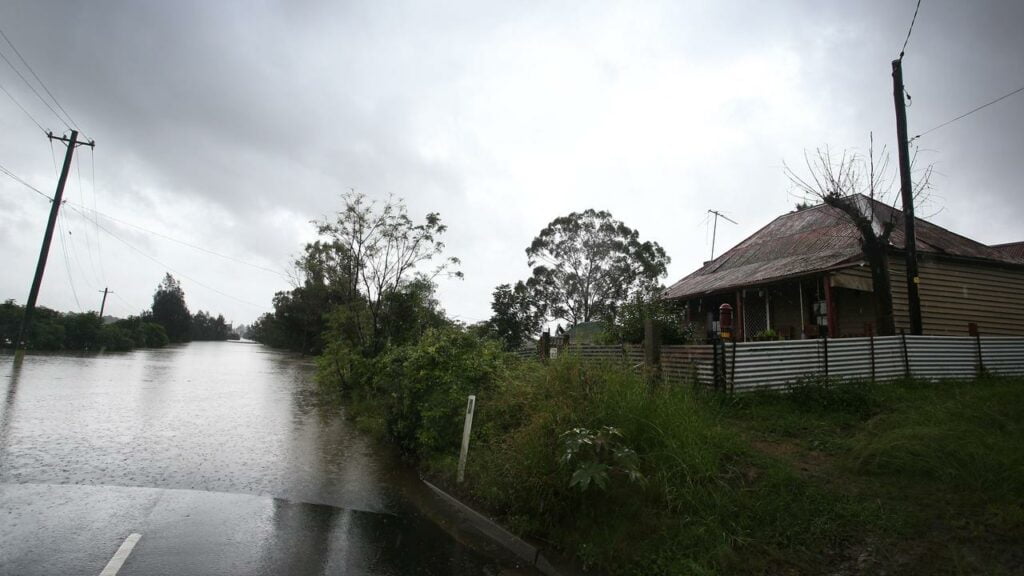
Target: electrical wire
67, 264
909, 30
88, 242
182, 242
962, 116
96, 229
40, 80
14, 177
73, 251
169, 269
127, 304
34, 91
27, 113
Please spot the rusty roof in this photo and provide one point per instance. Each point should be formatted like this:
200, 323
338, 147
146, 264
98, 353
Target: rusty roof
815, 240
1014, 250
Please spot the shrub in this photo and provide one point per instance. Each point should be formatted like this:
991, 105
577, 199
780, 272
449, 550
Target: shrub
115, 339
422, 387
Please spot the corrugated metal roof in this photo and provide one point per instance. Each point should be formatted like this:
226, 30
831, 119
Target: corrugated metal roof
817, 239
1013, 250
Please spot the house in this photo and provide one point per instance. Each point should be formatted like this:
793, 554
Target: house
804, 274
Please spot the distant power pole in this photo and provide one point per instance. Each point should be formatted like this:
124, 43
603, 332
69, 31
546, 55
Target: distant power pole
714, 229
103, 306
907, 191
26, 321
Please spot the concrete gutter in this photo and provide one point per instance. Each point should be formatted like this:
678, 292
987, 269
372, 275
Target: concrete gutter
514, 544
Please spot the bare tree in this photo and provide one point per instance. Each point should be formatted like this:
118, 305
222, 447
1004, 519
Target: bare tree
852, 183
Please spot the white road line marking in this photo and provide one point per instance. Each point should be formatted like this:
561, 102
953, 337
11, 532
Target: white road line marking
121, 555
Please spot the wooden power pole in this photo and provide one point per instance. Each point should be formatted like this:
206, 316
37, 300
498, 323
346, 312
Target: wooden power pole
103, 306
907, 191
26, 321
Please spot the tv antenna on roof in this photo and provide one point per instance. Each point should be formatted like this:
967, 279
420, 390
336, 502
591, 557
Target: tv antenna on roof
714, 229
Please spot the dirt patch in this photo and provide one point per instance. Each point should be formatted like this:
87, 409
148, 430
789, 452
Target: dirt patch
806, 462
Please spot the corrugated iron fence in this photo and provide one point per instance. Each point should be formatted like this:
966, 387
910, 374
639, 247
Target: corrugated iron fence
753, 365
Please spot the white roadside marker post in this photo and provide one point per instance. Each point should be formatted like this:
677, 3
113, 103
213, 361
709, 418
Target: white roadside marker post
470, 407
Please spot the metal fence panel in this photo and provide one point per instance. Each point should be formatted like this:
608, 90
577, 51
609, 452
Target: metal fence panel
679, 364
942, 356
771, 364
1003, 355
776, 364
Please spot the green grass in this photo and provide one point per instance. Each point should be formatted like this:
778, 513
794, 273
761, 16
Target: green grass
943, 461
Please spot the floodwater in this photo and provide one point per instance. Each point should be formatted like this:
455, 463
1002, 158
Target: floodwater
231, 433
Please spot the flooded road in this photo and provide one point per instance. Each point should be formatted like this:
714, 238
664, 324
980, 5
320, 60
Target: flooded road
219, 455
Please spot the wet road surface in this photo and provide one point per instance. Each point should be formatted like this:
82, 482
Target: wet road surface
220, 457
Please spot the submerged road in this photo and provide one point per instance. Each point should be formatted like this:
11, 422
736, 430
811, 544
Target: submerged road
206, 458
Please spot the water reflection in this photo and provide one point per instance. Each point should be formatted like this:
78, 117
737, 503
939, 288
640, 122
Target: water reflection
13, 376
208, 416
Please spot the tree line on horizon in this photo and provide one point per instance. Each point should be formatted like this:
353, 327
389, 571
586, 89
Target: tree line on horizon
168, 321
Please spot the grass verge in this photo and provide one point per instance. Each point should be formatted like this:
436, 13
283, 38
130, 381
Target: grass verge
915, 478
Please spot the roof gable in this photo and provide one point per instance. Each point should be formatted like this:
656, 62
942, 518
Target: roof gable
817, 239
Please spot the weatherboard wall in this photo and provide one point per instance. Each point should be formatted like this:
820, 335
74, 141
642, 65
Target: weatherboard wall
955, 293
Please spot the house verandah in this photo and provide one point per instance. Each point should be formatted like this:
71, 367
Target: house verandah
835, 304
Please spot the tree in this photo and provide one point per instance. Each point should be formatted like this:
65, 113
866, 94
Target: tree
852, 184
170, 310
206, 327
378, 250
589, 264
517, 315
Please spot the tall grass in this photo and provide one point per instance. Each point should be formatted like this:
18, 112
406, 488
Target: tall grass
967, 435
710, 503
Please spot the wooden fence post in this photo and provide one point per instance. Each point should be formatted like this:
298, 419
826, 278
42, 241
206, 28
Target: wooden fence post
652, 347
871, 341
466, 428
732, 375
972, 329
825, 342
545, 346
906, 357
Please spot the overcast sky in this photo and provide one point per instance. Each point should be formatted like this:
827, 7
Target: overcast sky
231, 125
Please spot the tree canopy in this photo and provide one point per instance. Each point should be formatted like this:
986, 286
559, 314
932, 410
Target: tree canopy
517, 315
361, 285
587, 264
170, 311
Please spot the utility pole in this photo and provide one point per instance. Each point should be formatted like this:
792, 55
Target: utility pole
714, 229
103, 306
907, 191
26, 321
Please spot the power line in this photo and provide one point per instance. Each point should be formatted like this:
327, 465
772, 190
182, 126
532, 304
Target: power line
40, 80
67, 264
96, 230
41, 83
27, 113
73, 250
911, 29
88, 242
34, 91
182, 242
948, 122
127, 304
14, 177
169, 269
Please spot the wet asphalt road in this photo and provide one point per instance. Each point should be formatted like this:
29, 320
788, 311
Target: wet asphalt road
219, 456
